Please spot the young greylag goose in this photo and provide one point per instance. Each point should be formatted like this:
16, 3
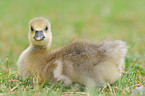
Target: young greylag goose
84, 62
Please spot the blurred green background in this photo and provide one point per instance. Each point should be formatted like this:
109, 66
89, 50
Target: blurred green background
95, 20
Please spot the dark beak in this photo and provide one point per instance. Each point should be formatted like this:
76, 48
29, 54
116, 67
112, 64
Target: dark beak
39, 35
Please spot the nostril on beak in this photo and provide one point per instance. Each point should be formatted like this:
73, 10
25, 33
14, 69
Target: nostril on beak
36, 31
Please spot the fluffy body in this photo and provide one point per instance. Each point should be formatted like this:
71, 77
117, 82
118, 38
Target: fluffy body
84, 62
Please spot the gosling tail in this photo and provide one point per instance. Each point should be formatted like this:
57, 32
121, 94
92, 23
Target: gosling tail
113, 49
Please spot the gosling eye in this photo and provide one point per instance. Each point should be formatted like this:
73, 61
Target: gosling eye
46, 28
32, 29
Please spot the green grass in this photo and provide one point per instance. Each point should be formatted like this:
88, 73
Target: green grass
95, 20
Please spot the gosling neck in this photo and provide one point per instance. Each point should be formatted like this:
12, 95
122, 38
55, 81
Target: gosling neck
39, 47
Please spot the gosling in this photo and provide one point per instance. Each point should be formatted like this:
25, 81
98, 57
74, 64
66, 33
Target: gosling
83, 62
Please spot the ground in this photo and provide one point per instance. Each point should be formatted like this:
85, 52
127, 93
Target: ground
95, 20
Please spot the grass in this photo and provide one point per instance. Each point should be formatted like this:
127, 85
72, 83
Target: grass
95, 20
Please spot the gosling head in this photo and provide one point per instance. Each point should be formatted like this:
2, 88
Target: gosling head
40, 32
